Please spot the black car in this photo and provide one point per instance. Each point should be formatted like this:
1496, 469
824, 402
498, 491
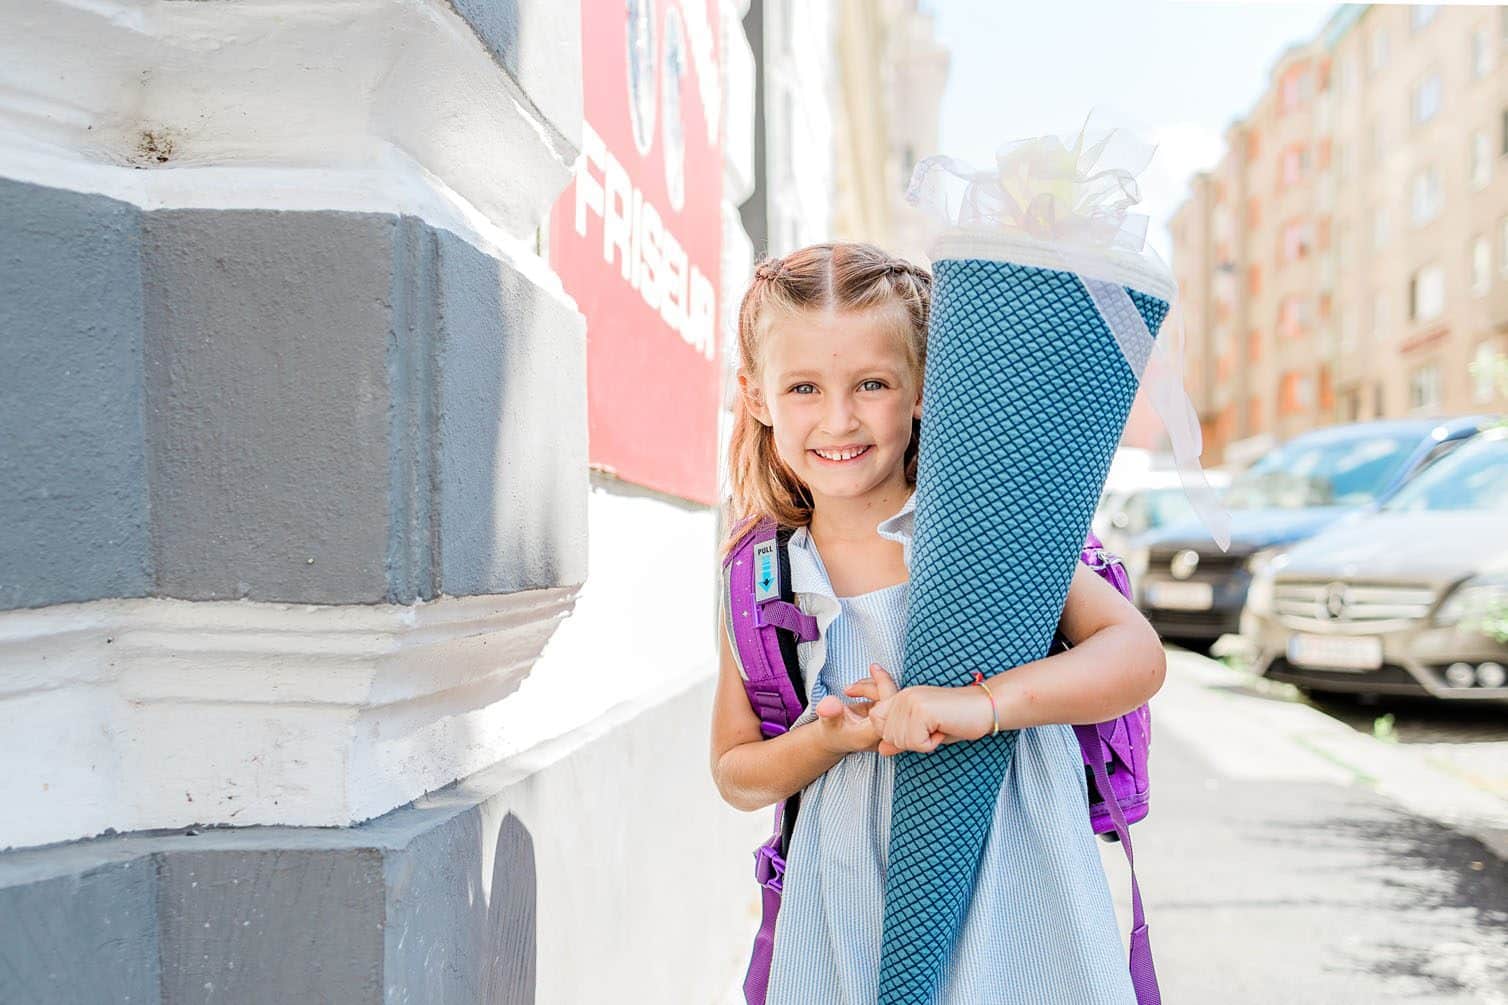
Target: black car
1192, 593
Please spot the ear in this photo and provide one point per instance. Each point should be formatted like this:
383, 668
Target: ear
753, 398
916, 412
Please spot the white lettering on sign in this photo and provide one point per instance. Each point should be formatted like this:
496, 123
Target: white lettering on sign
650, 258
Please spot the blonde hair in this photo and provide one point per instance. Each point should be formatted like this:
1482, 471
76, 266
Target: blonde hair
837, 277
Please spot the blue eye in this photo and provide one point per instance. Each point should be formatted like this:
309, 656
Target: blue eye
879, 382
798, 387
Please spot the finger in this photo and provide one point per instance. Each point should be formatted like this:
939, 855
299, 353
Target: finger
829, 707
883, 680
887, 749
865, 688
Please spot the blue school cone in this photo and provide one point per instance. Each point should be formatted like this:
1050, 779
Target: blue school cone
1026, 396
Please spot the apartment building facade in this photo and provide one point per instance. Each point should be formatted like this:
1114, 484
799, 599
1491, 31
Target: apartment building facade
1347, 257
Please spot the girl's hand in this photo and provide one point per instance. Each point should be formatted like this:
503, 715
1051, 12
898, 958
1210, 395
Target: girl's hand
846, 727
921, 718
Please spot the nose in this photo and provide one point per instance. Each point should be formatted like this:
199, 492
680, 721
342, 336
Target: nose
841, 416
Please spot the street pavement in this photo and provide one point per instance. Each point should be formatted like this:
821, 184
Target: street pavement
1293, 855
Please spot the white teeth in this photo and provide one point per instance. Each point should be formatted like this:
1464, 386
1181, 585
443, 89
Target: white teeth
844, 456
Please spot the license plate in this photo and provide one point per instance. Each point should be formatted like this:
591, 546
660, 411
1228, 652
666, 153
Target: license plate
1336, 652
1181, 596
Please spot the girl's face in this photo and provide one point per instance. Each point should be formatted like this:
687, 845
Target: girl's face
840, 395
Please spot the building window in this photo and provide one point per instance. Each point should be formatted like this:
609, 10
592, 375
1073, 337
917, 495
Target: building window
1481, 159
1481, 266
1253, 280
1483, 365
1427, 293
1422, 14
1481, 54
1293, 165
1426, 196
1295, 89
1426, 99
1343, 246
1253, 346
1293, 316
1379, 316
1424, 387
1503, 245
1297, 240
1378, 52
1503, 149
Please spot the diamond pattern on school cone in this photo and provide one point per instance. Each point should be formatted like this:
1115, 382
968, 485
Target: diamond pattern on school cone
1025, 397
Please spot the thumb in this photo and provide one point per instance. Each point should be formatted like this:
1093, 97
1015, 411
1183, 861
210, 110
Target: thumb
829, 707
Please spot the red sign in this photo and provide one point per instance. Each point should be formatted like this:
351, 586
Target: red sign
637, 239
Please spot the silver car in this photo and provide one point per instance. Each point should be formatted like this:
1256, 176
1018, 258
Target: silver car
1410, 599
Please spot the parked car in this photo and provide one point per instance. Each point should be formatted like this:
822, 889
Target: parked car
1192, 593
1152, 500
1411, 599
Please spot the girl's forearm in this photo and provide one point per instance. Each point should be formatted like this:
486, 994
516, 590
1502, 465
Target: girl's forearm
1115, 670
754, 775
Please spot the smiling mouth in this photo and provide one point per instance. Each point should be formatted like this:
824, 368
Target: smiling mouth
843, 457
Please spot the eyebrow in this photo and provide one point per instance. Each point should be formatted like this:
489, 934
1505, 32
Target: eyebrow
878, 368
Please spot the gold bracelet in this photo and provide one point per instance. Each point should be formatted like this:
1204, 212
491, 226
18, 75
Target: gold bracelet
994, 711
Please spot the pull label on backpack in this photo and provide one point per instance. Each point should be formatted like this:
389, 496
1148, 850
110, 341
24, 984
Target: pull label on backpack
766, 572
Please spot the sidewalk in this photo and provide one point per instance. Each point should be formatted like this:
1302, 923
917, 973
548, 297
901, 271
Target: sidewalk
1288, 856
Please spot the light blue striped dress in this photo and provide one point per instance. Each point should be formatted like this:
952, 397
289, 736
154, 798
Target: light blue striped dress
1040, 927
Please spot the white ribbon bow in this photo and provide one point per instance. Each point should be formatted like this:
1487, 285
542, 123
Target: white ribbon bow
1062, 199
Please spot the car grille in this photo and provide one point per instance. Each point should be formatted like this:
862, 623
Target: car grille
1209, 565
1338, 602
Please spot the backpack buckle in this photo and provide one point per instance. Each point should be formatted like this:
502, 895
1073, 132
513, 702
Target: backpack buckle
769, 867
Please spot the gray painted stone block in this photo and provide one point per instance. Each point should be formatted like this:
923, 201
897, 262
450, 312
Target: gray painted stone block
73, 488
313, 407
266, 370
453, 936
282, 925
80, 937
511, 454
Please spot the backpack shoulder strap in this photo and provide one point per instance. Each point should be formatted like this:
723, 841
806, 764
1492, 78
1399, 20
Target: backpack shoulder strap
764, 624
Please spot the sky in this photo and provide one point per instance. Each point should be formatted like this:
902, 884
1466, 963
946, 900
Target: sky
1175, 72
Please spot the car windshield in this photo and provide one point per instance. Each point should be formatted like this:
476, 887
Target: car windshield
1474, 477
1167, 506
1329, 472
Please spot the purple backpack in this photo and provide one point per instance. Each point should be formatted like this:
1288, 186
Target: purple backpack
764, 626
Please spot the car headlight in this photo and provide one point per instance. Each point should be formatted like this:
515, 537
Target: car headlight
1260, 561
1476, 601
1259, 593
1263, 566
